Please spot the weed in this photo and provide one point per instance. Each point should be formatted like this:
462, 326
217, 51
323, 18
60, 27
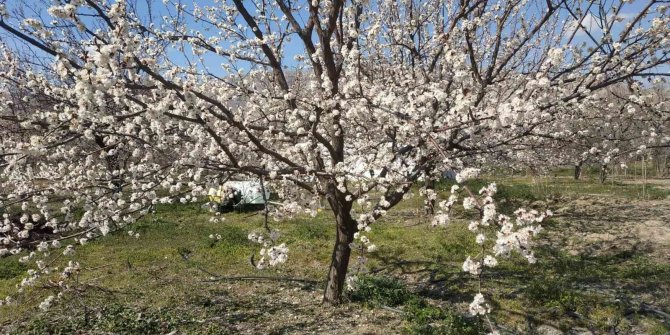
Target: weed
426, 319
379, 291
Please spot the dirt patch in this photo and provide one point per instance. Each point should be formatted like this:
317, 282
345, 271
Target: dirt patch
657, 232
287, 309
659, 183
600, 226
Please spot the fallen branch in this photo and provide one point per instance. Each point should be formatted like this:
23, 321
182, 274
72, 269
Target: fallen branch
214, 277
270, 278
651, 309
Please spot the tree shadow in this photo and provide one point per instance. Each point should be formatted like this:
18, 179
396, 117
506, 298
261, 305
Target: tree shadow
560, 287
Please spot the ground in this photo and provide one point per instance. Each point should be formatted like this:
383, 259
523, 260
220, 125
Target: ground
603, 269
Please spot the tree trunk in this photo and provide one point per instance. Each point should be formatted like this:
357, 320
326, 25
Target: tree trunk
429, 203
339, 262
578, 171
603, 173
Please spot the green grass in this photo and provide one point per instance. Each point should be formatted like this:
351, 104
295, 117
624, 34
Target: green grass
424, 318
11, 268
379, 291
160, 275
117, 319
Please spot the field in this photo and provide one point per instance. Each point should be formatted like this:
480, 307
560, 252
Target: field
603, 268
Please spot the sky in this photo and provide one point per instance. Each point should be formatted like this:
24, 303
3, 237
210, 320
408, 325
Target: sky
156, 9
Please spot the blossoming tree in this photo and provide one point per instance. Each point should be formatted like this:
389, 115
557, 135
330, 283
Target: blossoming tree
351, 101
619, 124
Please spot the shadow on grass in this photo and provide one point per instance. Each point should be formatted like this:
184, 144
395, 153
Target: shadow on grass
603, 293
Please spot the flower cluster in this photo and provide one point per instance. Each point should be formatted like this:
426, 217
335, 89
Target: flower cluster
511, 235
271, 254
441, 216
467, 174
478, 306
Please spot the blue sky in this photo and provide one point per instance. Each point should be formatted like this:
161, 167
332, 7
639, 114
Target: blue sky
212, 62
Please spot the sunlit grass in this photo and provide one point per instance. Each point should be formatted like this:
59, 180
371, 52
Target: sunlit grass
167, 266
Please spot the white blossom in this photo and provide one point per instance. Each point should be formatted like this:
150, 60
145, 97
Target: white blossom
478, 306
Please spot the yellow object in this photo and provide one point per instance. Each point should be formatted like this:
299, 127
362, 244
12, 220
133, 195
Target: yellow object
215, 195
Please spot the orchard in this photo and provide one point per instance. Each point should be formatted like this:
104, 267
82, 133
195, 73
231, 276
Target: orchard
469, 120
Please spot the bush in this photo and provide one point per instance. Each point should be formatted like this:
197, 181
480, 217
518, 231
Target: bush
427, 319
379, 291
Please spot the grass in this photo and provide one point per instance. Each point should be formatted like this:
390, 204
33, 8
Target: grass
156, 283
379, 291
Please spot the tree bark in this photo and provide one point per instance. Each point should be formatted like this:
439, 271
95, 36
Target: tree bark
430, 203
603, 173
578, 171
339, 262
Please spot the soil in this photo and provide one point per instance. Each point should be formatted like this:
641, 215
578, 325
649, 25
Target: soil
289, 309
605, 226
